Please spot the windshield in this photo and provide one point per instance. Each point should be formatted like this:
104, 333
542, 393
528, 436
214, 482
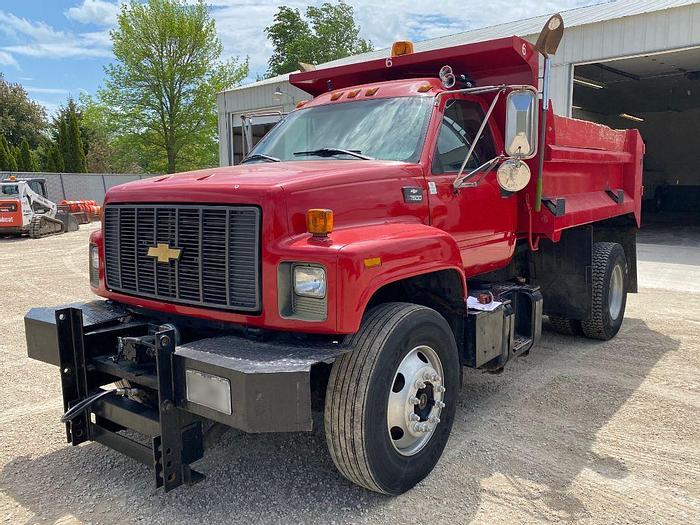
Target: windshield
8, 189
384, 129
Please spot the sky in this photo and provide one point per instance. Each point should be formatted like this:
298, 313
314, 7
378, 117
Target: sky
58, 48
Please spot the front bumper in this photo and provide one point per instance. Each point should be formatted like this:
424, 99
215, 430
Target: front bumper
270, 383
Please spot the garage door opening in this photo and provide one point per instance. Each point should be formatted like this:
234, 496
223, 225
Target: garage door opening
659, 95
260, 123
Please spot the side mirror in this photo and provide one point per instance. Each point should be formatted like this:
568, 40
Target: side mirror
521, 124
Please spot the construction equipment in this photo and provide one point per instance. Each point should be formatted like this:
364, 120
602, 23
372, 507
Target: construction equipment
25, 209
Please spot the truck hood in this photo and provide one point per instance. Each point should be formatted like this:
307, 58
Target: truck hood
356, 190
296, 174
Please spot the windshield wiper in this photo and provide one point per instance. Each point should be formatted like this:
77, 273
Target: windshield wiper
330, 152
260, 156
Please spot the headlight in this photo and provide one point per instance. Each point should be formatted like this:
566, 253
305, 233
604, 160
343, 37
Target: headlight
94, 265
310, 281
94, 257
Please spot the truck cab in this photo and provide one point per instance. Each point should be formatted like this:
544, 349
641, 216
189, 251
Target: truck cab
421, 213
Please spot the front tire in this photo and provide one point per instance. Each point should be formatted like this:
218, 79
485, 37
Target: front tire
609, 296
391, 400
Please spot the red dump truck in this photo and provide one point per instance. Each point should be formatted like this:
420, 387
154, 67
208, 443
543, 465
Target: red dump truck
420, 214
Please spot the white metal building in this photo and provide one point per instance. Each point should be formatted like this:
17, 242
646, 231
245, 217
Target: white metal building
628, 63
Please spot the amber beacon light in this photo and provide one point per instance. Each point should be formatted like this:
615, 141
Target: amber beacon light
319, 222
401, 47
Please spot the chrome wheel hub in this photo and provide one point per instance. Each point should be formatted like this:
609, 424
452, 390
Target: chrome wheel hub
416, 399
616, 292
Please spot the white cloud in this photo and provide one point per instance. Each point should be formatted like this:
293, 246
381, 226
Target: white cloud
50, 91
241, 23
51, 107
40, 40
6, 59
94, 12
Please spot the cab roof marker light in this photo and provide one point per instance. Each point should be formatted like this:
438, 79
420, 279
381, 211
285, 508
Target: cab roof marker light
371, 91
425, 88
588, 83
401, 47
336, 95
353, 93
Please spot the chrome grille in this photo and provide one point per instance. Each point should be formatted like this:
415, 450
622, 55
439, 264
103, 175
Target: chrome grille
219, 261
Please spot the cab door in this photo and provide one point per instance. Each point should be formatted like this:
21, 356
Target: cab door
481, 219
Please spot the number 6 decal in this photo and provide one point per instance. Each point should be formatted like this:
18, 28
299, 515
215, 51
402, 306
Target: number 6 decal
524, 50
389, 63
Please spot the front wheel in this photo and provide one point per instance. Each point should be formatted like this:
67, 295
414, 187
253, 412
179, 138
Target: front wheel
391, 400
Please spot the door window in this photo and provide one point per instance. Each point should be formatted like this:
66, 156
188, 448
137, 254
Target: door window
38, 187
459, 126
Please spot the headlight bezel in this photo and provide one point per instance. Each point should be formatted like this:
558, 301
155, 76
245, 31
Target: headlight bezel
316, 281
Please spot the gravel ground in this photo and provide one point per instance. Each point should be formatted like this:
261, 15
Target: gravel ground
579, 430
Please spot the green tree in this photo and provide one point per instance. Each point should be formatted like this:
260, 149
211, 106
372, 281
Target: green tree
11, 161
20, 117
99, 135
75, 162
162, 88
4, 161
4, 154
68, 135
329, 32
14, 157
24, 161
63, 142
54, 160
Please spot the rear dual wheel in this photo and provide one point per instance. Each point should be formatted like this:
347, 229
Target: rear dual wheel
608, 297
391, 401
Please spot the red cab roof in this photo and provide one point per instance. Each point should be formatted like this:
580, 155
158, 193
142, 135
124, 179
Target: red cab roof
509, 60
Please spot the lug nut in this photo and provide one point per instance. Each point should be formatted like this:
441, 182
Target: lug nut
434, 420
413, 417
440, 388
439, 404
435, 378
420, 384
413, 400
421, 427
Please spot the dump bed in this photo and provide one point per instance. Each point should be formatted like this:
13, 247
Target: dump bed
591, 173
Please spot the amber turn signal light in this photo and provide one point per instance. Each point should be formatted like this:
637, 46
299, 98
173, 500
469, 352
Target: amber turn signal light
319, 222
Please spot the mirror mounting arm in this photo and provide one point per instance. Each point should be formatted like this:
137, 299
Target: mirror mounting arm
478, 136
484, 169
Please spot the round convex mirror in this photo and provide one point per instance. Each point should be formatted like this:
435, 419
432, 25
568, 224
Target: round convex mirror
513, 175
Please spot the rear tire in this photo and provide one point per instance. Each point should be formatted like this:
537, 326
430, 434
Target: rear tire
565, 326
609, 296
365, 396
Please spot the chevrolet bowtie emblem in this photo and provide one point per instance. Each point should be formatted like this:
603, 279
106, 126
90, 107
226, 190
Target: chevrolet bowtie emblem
164, 253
